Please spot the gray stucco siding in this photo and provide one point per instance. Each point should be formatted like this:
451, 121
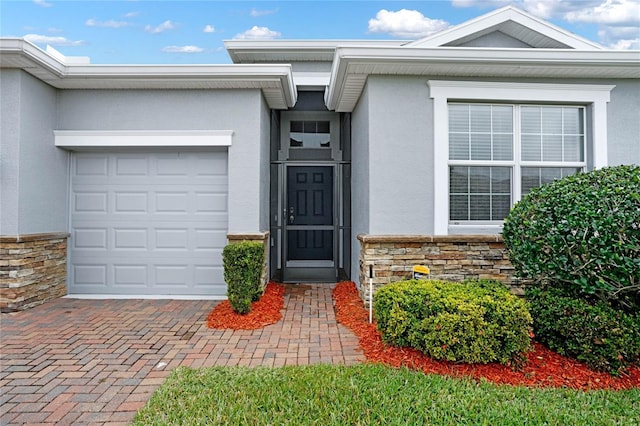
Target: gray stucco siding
359, 177
623, 121
9, 150
401, 156
34, 171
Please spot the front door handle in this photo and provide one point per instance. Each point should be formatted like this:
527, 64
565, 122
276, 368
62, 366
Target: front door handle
291, 219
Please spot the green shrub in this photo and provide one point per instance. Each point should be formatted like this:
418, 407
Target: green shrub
472, 321
604, 338
581, 233
243, 263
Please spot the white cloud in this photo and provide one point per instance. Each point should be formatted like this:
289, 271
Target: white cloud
256, 13
258, 33
610, 12
165, 26
182, 49
43, 3
626, 44
405, 23
209, 29
106, 24
131, 14
52, 40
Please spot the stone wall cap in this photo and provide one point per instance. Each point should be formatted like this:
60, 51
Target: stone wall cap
21, 238
471, 238
248, 236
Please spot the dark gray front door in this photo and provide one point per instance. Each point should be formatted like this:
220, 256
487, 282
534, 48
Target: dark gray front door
310, 224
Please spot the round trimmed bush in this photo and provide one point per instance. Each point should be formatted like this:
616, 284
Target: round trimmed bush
472, 321
581, 234
604, 338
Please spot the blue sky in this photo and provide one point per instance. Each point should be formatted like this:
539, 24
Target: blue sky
161, 32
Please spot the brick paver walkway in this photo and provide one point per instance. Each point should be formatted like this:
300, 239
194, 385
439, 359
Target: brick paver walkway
78, 361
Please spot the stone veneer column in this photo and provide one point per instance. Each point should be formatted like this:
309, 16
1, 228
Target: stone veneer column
262, 237
33, 269
451, 257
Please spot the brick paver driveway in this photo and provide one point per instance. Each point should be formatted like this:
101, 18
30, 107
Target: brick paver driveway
75, 361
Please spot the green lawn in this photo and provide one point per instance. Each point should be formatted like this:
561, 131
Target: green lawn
371, 394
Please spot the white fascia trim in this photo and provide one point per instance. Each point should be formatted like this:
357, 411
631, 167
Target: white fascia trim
75, 139
443, 91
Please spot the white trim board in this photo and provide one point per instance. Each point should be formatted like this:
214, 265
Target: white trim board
71, 139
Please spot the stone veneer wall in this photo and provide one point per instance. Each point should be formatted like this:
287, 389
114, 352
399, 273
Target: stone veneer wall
451, 257
258, 237
33, 269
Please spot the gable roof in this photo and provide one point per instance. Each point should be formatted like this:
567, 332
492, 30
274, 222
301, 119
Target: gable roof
512, 22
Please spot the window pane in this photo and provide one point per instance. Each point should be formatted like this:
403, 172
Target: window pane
480, 207
573, 120
480, 180
323, 127
531, 148
573, 148
479, 193
459, 118
551, 148
530, 119
501, 180
503, 147
459, 207
480, 146
552, 120
480, 118
459, 146
310, 127
530, 179
296, 126
502, 119
501, 205
459, 180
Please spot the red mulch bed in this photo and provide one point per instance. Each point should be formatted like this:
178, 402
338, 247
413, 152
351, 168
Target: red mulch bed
263, 312
543, 368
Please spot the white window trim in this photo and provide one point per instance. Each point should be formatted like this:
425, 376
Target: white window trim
78, 139
596, 96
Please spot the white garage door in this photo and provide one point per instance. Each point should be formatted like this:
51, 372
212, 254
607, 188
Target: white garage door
148, 223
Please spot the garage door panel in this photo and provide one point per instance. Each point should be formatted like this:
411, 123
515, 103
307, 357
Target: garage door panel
91, 165
148, 223
90, 238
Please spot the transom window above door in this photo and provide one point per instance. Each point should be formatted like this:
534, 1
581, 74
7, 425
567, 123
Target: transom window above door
500, 152
310, 134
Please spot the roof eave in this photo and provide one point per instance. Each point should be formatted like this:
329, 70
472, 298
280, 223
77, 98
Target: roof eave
275, 80
347, 81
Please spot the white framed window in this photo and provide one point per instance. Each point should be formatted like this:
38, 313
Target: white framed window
499, 152
495, 141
